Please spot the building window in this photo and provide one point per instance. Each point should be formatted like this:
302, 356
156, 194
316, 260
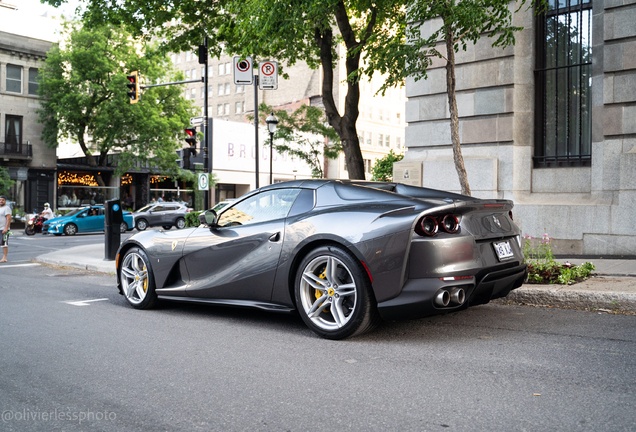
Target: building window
194, 74
387, 141
203, 92
221, 90
209, 91
367, 166
187, 74
380, 115
361, 138
563, 127
226, 109
33, 81
228, 68
369, 139
227, 88
188, 56
174, 58
222, 69
13, 128
179, 58
219, 109
202, 71
380, 140
398, 142
210, 69
397, 118
240, 89
240, 107
14, 79
193, 93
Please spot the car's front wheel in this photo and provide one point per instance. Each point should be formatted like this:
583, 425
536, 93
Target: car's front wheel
137, 280
123, 227
141, 224
333, 294
181, 223
70, 229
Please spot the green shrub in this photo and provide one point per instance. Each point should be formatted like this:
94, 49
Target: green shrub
542, 268
192, 219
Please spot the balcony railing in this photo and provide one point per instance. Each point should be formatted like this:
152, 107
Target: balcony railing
12, 149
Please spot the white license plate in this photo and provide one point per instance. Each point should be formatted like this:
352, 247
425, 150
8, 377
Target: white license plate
503, 249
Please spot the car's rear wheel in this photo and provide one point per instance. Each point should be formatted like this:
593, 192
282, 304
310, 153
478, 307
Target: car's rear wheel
141, 224
181, 223
166, 227
137, 280
70, 229
123, 227
333, 294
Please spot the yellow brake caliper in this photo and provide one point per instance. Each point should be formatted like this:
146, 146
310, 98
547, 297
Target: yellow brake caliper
318, 294
145, 280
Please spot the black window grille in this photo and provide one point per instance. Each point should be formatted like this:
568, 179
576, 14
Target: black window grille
563, 77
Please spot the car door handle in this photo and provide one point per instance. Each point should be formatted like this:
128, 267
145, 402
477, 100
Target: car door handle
274, 237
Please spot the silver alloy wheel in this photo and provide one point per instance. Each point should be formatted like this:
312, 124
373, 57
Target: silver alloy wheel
123, 227
134, 278
329, 279
70, 229
181, 223
142, 224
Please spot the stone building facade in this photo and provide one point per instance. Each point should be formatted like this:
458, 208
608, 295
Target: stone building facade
549, 123
30, 162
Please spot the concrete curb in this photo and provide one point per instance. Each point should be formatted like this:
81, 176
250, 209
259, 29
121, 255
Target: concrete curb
571, 298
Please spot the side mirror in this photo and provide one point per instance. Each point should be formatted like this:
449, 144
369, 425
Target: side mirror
208, 217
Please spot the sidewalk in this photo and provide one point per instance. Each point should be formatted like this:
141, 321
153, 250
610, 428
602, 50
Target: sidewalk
613, 287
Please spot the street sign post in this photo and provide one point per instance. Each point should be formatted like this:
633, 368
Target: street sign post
195, 121
243, 70
268, 75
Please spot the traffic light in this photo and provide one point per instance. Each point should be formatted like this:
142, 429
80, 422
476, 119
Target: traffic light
133, 86
192, 140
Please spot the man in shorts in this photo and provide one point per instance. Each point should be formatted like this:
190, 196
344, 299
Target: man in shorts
5, 223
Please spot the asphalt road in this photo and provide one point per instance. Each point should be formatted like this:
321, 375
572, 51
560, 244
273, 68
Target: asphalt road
75, 356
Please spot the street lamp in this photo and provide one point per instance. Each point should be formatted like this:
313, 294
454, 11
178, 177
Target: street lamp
271, 121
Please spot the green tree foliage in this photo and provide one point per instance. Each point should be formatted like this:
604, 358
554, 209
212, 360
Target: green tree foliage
314, 31
450, 25
383, 168
303, 134
83, 89
5, 181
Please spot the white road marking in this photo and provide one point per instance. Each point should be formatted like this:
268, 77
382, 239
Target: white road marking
83, 302
18, 265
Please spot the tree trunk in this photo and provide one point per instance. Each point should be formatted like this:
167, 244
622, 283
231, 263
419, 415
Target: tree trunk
454, 115
345, 125
89, 157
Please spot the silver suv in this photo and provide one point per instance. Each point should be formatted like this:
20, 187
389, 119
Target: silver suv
163, 214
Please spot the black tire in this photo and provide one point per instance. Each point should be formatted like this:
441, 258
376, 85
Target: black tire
141, 224
137, 279
181, 223
29, 231
123, 227
70, 229
346, 290
166, 227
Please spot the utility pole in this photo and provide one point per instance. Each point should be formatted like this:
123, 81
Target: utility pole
207, 121
256, 121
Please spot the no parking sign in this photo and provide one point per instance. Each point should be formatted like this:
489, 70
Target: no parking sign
268, 75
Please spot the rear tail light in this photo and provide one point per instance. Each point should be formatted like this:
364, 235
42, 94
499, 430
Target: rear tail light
430, 225
450, 224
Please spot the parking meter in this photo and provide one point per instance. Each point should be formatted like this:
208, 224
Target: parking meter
113, 218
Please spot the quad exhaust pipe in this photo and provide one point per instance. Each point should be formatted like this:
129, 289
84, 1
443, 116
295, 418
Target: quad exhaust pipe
454, 297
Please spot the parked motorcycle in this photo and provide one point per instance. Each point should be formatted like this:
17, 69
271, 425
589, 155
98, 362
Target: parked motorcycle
34, 225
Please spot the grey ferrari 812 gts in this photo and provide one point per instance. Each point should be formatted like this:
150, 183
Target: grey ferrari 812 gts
343, 254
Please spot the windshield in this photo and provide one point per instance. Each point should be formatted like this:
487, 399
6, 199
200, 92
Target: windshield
74, 212
143, 209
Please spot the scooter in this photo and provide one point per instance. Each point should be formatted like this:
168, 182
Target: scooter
34, 225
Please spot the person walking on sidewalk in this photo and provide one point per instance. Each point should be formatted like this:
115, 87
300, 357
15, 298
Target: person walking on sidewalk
5, 223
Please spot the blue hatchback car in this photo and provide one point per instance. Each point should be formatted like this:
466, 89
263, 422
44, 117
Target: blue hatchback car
86, 219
